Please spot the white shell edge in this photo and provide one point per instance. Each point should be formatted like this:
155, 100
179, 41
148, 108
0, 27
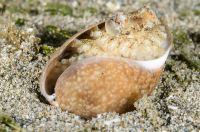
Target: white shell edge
49, 98
156, 63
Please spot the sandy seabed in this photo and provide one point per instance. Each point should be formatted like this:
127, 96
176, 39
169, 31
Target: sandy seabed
173, 106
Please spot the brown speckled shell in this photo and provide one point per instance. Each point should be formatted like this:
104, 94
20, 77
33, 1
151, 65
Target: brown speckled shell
86, 89
104, 86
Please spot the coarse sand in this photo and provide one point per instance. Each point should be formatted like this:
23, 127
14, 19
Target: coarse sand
173, 106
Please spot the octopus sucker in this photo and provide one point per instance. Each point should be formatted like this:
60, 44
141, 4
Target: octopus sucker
109, 65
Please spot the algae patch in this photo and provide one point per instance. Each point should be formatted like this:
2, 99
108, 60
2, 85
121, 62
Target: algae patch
57, 8
53, 36
20, 22
91, 10
183, 40
46, 50
190, 61
196, 12
9, 123
181, 37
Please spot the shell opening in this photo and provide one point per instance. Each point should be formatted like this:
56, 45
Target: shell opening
137, 36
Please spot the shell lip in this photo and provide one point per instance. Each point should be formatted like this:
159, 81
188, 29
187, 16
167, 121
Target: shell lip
49, 97
157, 62
152, 64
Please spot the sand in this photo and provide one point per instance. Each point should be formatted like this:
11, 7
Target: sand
173, 106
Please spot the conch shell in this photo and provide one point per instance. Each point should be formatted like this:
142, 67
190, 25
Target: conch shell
108, 66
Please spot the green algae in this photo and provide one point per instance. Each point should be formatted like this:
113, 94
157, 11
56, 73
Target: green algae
2, 7
181, 37
16, 9
184, 13
46, 50
188, 59
20, 22
9, 122
13, 7
196, 12
57, 8
181, 40
54, 36
195, 36
91, 10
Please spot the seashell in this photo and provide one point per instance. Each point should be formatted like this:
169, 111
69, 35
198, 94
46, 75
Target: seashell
108, 66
